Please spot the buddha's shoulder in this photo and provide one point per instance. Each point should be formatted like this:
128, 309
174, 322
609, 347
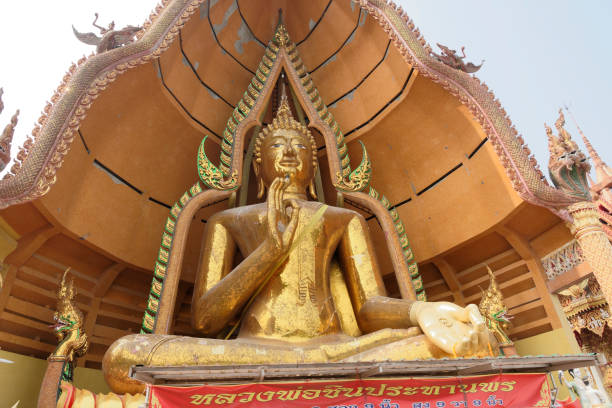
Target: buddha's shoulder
237, 213
311, 207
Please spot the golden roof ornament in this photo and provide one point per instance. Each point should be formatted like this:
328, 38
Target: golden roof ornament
494, 311
109, 38
564, 135
281, 36
451, 58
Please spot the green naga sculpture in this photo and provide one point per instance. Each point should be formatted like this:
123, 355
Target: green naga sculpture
68, 328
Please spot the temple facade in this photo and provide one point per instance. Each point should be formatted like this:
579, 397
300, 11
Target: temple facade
417, 145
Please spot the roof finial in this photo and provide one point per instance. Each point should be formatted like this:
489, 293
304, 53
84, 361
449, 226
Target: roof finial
281, 36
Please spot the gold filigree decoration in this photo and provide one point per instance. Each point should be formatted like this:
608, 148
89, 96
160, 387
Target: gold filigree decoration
544, 396
494, 310
359, 178
281, 36
211, 175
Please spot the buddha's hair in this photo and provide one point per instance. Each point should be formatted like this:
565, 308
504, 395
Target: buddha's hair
284, 120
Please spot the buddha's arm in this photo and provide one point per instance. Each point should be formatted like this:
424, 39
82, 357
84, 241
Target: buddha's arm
374, 310
220, 292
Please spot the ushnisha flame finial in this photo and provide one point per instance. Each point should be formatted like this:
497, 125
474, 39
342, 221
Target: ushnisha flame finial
284, 110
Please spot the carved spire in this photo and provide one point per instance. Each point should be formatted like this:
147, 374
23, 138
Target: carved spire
1, 103
603, 172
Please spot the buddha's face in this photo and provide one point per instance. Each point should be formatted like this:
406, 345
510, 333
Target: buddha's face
286, 152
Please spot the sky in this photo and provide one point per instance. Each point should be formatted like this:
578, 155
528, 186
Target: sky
539, 55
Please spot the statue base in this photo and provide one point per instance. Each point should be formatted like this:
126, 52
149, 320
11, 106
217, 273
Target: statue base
195, 375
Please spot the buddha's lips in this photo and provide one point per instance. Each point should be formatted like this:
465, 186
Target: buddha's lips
289, 163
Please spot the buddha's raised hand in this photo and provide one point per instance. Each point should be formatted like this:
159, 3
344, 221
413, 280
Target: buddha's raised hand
281, 224
459, 331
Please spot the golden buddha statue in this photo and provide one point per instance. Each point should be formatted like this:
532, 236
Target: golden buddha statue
308, 290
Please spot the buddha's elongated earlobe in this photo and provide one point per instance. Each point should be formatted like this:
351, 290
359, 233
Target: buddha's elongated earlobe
261, 188
311, 190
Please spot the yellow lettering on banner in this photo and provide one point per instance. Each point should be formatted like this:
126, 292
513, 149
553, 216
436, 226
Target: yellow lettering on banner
199, 399
225, 398
289, 395
248, 396
489, 387
332, 391
265, 394
394, 391
311, 394
430, 389
410, 390
507, 386
468, 387
451, 388
349, 392
372, 390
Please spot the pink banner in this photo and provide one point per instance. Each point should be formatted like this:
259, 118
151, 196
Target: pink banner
504, 390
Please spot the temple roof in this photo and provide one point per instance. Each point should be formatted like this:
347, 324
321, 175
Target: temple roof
126, 125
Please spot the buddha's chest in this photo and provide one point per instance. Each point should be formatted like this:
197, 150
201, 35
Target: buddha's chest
315, 237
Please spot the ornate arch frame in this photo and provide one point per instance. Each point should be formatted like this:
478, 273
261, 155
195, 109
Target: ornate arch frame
281, 55
37, 162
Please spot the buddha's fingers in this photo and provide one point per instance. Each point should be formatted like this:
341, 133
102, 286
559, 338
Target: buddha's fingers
273, 213
278, 197
481, 334
292, 226
281, 200
476, 318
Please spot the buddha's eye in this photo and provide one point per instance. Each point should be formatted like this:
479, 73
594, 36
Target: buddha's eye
300, 146
277, 145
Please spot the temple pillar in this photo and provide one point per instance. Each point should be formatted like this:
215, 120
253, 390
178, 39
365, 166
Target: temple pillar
594, 242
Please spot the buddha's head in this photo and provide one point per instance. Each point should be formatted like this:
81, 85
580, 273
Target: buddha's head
285, 148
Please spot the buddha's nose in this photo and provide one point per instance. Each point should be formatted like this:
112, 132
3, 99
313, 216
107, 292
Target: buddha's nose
289, 150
